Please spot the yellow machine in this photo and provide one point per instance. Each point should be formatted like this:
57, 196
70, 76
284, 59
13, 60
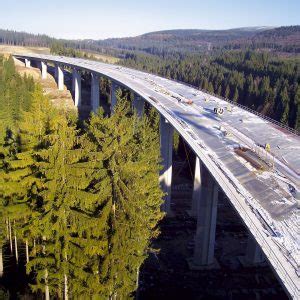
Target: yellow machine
267, 147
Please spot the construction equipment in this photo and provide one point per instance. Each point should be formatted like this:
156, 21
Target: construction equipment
267, 147
218, 111
229, 108
182, 99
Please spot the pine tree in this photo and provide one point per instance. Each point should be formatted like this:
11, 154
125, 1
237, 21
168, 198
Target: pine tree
284, 105
227, 91
297, 106
131, 161
235, 95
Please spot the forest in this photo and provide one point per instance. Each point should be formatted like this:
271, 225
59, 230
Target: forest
81, 200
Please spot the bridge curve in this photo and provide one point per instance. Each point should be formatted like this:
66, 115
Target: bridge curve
266, 201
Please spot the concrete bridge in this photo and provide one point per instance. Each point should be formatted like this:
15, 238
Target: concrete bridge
253, 160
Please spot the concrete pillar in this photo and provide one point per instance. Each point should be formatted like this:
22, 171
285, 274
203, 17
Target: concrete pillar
1, 262
113, 97
197, 187
138, 104
95, 91
59, 77
27, 63
166, 150
77, 86
44, 70
73, 79
206, 222
254, 254
55, 73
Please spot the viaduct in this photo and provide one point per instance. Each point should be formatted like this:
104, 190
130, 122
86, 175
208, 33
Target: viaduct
229, 141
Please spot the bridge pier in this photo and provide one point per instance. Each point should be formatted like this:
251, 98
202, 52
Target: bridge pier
27, 63
196, 188
44, 70
138, 104
95, 91
206, 223
254, 255
60, 77
113, 97
77, 87
73, 79
166, 149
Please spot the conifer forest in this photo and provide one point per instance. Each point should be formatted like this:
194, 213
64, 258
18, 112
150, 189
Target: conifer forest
80, 201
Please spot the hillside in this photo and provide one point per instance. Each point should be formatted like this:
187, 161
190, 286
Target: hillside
182, 39
286, 39
281, 39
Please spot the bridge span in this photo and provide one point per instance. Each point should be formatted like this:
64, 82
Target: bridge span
254, 161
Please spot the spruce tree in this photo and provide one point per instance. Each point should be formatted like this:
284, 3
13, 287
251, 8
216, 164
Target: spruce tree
131, 160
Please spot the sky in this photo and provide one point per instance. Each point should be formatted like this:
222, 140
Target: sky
82, 19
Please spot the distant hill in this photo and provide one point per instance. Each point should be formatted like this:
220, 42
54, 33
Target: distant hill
183, 39
284, 39
205, 35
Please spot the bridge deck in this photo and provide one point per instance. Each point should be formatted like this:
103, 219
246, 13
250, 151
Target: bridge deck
264, 199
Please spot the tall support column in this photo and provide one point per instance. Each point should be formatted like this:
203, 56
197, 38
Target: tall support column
95, 91
206, 222
1, 262
44, 70
73, 79
166, 150
77, 87
55, 73
113, 97
60, 77
27, 63
197, 187
138, 104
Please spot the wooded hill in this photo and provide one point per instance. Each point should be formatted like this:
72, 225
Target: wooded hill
284, 39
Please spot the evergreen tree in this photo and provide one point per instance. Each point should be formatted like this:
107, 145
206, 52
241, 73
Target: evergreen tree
131, 162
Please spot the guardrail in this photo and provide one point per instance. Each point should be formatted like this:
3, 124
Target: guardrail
291, 130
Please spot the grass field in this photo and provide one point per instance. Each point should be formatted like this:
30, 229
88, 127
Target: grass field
9, 49
103, 57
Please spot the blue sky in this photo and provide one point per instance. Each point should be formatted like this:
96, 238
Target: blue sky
117, 18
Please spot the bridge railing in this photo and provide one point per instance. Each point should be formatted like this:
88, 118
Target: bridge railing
279, 124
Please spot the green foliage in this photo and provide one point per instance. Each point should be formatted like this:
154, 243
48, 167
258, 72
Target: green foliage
130, 159
87, 202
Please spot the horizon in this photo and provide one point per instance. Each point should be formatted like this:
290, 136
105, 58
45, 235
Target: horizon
162, 30
134, 18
